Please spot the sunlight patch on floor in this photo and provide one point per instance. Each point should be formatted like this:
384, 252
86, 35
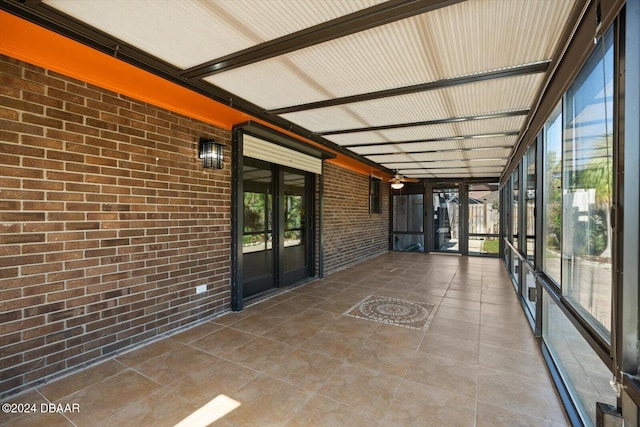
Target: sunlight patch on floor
217, 408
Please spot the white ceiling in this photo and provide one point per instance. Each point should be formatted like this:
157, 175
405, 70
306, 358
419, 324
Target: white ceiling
435, 94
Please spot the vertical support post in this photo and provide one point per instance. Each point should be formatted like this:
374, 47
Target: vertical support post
237, 213
321, 226
628, 159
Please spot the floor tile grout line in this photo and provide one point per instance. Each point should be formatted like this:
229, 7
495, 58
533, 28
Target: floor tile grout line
38, 389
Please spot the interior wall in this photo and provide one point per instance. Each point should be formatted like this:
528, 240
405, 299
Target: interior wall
108, 223
351, 233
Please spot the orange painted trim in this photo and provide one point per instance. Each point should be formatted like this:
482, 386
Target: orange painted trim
36, 45
31, 43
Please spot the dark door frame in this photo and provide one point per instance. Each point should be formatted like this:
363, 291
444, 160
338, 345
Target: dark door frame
426, 188
237, 204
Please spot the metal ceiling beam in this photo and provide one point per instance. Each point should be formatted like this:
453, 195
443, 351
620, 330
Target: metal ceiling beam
453, 150
452, 138
413, 162
498, 147
411, 171
537, 67
384, 13
513, 113
449, 167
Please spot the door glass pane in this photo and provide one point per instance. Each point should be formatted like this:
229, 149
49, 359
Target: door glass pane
294, 213
408, 242
506, 210
552, 212
587, 189
446, 220
407, 212
408, 224
257, 226
257, 208
484, 219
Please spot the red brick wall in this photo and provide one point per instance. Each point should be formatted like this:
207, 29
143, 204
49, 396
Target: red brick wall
107, 224
351, 233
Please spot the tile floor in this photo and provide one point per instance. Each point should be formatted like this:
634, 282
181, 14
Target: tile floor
296, 360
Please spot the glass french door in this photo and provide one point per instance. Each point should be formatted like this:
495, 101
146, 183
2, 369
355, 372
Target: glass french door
446, 219
276, 247
257, 233
408, 228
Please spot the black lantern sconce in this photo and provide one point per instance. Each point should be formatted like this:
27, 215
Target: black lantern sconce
211, 153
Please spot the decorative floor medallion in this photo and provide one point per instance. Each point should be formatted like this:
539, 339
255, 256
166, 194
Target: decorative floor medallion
393, 311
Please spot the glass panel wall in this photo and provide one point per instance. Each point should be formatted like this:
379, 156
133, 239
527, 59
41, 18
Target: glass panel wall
587, 190
577, 171
530, 203
552, 193
515, 194
529, 289
408, 224
506, 221
582, 371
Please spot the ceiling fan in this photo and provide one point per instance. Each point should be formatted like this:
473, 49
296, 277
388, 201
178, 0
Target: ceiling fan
397, 181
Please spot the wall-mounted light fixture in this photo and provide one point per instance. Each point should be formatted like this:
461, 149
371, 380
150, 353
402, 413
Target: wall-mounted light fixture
211, 153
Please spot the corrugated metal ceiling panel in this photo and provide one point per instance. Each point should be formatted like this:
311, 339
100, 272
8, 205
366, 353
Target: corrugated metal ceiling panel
425, 48
461, 170
407, 169
458, 144
494, 95
271, 84
467, 175
446, 130
499, 95
449, 155
186, 33
489, 126
504, 32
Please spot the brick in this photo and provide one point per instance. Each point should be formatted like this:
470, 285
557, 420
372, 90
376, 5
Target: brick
22, 216
21, 172
21, 238
42, 206
41, 247
64, 176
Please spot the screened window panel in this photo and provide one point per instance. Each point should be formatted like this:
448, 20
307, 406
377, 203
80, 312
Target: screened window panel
587, 189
